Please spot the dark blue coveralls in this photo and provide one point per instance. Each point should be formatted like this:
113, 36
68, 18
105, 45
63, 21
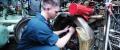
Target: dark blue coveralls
38, 35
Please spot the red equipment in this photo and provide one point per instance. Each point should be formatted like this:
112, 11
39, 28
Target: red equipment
78, 9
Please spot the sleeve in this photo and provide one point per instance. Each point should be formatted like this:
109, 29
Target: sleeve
52, 39
44, 35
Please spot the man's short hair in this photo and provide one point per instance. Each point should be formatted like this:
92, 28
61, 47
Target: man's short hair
51, 2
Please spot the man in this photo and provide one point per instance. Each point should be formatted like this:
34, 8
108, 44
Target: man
39, 35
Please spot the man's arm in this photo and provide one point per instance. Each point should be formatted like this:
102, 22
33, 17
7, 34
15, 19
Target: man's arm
61, 31
63, 41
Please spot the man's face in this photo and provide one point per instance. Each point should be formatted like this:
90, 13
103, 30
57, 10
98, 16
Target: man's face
53, 12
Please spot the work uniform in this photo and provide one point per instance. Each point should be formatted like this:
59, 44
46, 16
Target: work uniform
38, 35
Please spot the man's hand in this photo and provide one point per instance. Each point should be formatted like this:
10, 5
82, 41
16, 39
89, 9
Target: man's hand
66, 29
62, 31
71, 30
63, 41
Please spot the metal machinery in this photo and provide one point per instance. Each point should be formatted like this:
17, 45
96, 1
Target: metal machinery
106, 28
11, 12
112, 30
96, 29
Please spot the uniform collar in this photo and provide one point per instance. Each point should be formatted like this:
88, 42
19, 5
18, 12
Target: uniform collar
40, 17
